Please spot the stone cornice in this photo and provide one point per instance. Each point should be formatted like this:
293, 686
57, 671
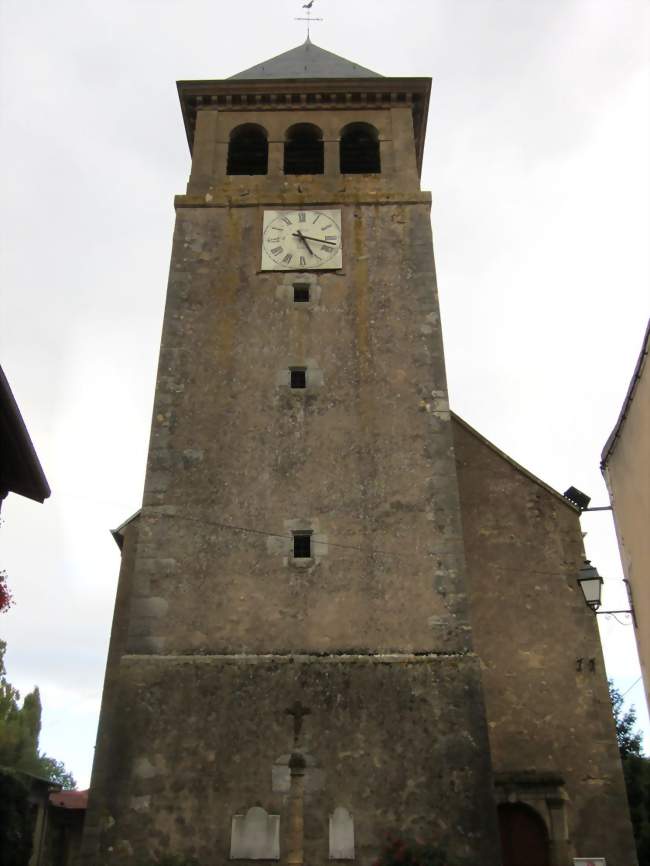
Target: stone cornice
307, 95
296, 200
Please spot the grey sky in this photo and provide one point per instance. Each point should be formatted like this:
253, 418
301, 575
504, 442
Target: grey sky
537, 160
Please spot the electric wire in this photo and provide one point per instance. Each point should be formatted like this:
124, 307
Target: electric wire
631, 687
356, 548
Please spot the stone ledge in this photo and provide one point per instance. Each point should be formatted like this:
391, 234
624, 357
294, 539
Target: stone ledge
386, 199
303, 658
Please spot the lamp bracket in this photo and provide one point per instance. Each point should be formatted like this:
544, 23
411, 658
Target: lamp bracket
613, 612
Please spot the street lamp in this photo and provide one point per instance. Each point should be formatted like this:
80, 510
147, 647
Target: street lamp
591, 584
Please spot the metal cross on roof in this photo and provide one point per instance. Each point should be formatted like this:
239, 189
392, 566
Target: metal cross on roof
308, 19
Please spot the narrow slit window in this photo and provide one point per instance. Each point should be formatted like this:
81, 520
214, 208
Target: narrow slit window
300, 293
298, 377
302, 545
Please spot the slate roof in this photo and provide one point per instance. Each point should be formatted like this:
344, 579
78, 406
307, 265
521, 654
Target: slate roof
307, 61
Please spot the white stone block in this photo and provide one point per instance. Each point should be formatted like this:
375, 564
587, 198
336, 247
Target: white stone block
255, 836
341, 835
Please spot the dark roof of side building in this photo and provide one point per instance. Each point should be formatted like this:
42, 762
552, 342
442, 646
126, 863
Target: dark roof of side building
307, 61
20, 469
614, 436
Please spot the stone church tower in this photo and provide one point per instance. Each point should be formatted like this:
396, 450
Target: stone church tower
292, 672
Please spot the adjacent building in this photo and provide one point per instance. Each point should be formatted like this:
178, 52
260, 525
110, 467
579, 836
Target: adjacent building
20, 469
625, 465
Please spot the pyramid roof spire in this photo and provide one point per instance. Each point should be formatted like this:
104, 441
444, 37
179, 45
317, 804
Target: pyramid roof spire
306, 61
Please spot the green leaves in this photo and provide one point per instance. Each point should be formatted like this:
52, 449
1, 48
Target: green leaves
636, 772
56, 772
20, 728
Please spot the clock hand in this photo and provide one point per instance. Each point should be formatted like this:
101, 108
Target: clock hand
300, 235
318, 240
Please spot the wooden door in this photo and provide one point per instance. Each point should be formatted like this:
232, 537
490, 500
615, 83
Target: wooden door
524, 840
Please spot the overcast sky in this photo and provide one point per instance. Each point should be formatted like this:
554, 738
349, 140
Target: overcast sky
537, 158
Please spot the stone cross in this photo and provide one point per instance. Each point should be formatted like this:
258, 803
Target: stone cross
298, 712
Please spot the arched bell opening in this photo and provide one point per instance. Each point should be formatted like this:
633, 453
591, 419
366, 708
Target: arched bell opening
248, 150
359, 149
304, 150
524, 837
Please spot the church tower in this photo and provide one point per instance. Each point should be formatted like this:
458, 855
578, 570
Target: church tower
291, 673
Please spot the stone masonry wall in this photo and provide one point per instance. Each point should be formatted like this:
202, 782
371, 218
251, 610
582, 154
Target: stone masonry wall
545, 685
206, 738
225, 631
362, 458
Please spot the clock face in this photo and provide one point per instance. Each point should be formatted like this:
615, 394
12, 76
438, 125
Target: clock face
301, 240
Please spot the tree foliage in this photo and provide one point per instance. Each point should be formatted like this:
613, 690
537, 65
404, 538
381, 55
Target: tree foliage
20, 728
636, 771
56, 772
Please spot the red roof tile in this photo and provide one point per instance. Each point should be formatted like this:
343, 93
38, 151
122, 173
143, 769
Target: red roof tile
70, 799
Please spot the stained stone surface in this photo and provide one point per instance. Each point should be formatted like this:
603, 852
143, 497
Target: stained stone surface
314, 778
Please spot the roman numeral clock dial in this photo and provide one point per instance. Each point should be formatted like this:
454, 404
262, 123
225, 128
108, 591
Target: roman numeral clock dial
301, 240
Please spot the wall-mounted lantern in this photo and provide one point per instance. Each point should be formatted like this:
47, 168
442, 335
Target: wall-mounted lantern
591, 584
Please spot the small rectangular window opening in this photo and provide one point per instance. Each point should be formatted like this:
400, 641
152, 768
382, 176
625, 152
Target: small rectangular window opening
300, 293
298, 377
302, 545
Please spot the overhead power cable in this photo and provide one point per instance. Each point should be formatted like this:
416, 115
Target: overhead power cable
365, 550
631, 687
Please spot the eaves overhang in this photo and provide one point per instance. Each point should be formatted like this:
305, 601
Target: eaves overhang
118, 534
615, 435
313, 94
20, 468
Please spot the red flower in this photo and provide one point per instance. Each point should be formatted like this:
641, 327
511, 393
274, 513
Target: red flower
6, 599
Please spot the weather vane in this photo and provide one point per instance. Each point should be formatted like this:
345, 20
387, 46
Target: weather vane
308, 19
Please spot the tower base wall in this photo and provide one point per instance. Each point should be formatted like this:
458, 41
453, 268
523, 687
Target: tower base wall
397, 741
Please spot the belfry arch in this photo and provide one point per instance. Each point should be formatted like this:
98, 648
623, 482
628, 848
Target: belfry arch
248, 150
304, 150
359, 149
